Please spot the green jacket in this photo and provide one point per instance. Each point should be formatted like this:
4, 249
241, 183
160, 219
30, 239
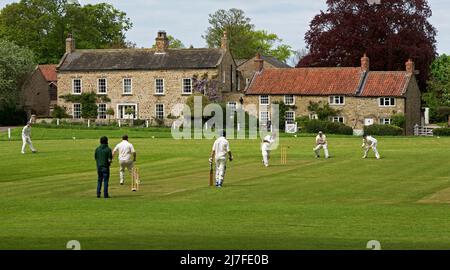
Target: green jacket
103, 156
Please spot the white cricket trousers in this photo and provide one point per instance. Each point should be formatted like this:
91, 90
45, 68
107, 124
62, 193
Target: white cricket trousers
27, 140
124, 164
266, 157
221, 167
325, 149
374, 148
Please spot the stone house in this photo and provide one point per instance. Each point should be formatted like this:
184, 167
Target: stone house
149, 81
248, 67
363, 97
40, 91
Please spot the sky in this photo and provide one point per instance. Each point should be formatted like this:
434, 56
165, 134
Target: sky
187, 20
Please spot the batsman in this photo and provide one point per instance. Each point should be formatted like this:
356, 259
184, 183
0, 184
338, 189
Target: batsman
321, 142
220, 150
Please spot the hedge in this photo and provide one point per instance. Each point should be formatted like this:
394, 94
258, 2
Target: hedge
315, 126
383, 130
441, 132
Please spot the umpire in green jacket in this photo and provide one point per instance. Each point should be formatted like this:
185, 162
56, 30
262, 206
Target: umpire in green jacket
103, 157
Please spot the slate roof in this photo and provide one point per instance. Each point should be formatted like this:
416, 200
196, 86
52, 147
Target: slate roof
270, 59
140, 59
329, 81
49, 72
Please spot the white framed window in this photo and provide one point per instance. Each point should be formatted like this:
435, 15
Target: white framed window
385, 121
337, 100
127, 86
76, 110
289, 100
77, 87
290, 117
387, 102
264, 100
159, 111
339, 119
232, 106
313, 116
102, 86
187, 86
263, 118
159, 86
101, 111
127, 111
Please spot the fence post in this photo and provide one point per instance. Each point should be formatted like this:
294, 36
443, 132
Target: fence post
89, 122
9, 133
120, 124
57, 122
146, 123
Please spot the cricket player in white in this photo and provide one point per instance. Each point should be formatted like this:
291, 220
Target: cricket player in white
266, 146
321, 142
370, 142
26, 138
220, 150
127, 156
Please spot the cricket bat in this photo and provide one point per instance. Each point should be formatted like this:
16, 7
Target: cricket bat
211, 174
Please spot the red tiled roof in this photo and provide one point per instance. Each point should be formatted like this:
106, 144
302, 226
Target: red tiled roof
307, 81
49, 72
329, 81
385, 84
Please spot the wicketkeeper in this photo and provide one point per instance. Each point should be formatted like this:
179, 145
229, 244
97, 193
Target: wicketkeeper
220, 150
321, 142
370, 142
266, 146
26, 138
127, 156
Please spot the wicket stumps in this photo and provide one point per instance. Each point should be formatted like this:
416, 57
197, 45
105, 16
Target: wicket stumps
135, 181
284, 155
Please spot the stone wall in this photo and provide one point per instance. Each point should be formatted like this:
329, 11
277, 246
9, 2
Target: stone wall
354, 111
143, 88
35, 95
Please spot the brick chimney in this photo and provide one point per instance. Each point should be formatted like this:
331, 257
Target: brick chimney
162, 42
70, 44
410, 66
224, 42
259, 62
365, 63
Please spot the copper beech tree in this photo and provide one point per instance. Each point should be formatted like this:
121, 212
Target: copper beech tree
388, 31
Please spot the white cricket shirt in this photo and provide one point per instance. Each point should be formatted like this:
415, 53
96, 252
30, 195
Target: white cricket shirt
221, 147
126, 151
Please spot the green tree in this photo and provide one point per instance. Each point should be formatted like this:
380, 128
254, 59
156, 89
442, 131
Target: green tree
15, 63
173, 43
244, 40
43, 25
88, 101
323, 111
438, 91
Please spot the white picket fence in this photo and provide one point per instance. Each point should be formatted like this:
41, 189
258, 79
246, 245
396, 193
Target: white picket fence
423, 131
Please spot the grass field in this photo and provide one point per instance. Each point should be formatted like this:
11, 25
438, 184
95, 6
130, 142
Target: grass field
401, 200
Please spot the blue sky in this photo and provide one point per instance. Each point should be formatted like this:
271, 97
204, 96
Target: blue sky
187, 20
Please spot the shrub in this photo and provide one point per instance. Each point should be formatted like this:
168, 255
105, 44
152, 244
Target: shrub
441, 132
399, 120
59, 112
314, 126
383, 130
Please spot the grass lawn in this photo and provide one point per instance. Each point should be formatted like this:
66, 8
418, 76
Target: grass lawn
402, 200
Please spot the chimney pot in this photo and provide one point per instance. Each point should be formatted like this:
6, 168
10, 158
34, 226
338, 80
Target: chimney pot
259, 62
365, 63
70, 44
162, 42
224, 42
410, 66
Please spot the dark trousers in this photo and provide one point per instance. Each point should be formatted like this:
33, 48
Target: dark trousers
103, 177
